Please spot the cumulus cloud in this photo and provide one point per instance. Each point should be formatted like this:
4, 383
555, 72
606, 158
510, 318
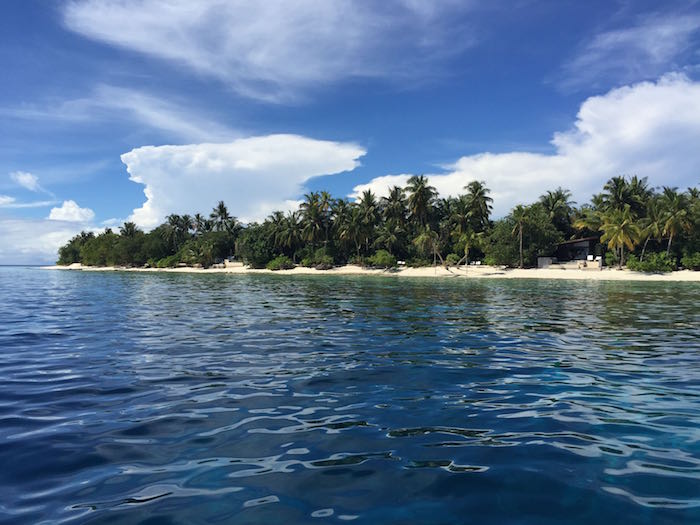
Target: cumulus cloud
651, 129
71, 212
33, 241
640, 52
254, 175
277, 49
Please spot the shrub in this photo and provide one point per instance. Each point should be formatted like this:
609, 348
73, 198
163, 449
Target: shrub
611, 258
382, 259
418, 262
324, 262
281, 262
168, 262
358, 260
691, 261
452, 259
653, 262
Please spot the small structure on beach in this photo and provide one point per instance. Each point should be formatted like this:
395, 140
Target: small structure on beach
584, 253
577, 249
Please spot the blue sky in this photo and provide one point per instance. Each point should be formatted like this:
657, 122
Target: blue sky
257, 102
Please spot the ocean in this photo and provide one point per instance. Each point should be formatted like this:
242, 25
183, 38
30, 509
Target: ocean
161, 398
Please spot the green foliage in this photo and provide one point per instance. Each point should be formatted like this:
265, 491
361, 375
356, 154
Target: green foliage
691, 261
653, 262
418, 262
382, 259
539, 239
281, 262
254, 247
452, 259
611, 259
168, 262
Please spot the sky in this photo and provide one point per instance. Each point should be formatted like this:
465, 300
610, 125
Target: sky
115, 110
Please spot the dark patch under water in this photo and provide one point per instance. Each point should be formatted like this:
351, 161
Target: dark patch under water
164, 399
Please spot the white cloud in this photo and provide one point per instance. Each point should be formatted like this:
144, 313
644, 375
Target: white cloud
277, 49
6, 199
71, 212
26, 180
254, 176
651, 129
641, 52
112, 103
33, 241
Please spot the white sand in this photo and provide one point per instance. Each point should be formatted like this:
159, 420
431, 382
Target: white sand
472, 272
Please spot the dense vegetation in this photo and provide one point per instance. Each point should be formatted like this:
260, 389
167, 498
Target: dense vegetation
653, 230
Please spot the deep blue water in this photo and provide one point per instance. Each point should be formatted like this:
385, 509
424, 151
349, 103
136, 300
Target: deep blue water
163, 399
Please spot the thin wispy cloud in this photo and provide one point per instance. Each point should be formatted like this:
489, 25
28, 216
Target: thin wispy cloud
111, 103
655, 45
11, 203
278, 50
28, 181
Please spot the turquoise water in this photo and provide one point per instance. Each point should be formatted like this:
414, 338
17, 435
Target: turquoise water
163, 399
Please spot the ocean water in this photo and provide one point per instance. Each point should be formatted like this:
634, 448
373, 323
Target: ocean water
178, 399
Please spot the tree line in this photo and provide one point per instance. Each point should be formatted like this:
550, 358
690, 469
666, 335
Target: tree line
643, 227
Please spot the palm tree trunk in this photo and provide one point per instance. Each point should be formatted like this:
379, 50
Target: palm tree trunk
668, 250
521, 244
644, 248
622, 257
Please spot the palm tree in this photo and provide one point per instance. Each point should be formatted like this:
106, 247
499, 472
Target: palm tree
312, 218
652, 226
394, 206
325, 207
199, 223
276, 224
129, 230
427, 241
620, 230
291, 233
420, 199
350, 230
470, 239
521, 215
220, 217
479, 203
675, 211
369, 212
558, 206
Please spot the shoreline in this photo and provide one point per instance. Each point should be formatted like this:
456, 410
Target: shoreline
471, 272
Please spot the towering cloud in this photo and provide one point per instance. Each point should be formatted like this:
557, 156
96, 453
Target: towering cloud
254, 176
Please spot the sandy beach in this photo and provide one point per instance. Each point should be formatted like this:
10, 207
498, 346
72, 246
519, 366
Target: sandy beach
471, 272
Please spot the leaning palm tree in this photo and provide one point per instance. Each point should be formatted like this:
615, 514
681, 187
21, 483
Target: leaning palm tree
676, 216
520, 215
428, 242
620, 230
479, 203
420, 199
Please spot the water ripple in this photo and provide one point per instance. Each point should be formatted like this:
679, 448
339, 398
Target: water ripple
259, 399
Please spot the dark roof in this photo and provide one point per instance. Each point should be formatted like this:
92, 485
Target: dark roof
582, 239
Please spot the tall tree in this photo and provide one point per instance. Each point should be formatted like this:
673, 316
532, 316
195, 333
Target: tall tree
220, 217
676, 214
479, 204
520, 214
620, 230
420, 199
559, 206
